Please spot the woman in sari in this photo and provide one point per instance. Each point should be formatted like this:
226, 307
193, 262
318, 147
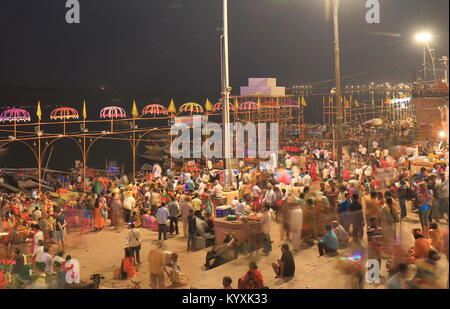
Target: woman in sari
313, 171
99, 219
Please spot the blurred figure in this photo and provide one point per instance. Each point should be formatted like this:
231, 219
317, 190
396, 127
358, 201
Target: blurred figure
399, 279
436, 237
156, 261
426, 276
296, 223
356, 219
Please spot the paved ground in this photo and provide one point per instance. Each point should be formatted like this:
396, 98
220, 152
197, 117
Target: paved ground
101, 252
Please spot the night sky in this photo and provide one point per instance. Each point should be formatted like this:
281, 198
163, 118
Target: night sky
165, 48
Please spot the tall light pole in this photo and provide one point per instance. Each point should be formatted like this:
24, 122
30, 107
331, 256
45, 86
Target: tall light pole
226, 98
424, 38
445, 61
339, 115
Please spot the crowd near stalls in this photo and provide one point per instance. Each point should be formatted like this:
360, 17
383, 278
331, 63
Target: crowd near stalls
382, 186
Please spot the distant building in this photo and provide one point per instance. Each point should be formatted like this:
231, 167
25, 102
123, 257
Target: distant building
431, 104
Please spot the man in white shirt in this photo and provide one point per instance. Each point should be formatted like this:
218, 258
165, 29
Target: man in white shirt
72, 270
201, 188
218, 189
341, 234
265, 229
288, 162
37, 238
47, 259
157, 170
128, 206
374, 144
307, 180
363, 150
235, 203
256, 191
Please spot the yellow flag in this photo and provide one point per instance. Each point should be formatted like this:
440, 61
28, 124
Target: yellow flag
304, 102
330, 99
346, 104
38, 111
278, 102
134, 110
356, 103
208, 106
84, 110
236, 104
172, 109
259, 103
373, 100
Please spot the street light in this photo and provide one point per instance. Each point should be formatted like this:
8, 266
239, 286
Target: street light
425, 37
226, 90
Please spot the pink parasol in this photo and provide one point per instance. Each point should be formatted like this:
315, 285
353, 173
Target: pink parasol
249, 105
219, 106
113, 112
15, 114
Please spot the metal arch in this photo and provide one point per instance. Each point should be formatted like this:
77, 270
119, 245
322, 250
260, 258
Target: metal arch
25, 143
59, 138
99, 137
140, 138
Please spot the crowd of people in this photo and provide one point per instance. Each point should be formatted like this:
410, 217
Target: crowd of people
377, 192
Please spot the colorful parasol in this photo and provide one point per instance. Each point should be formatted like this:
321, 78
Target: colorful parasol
191, 107
249, 105
15, 114
154, 110
64, 113
269, 104
289, 103
219, 106
113, 112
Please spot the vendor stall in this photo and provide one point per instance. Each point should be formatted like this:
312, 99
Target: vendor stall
247, 232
